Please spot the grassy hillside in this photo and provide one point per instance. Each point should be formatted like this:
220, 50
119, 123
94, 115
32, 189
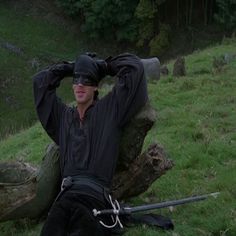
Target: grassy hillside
197, 126
28, 43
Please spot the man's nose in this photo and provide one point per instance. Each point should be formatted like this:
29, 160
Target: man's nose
79, 84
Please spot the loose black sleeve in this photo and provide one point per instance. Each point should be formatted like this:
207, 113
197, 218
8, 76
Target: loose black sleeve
48, 106
130, 91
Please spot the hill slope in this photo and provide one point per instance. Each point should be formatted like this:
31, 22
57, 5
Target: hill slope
28, 42
196, 125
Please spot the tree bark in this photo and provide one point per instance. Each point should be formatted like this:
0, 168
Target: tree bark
34, 193
178, 14
142, 172
133, 136
26, 191
190, 13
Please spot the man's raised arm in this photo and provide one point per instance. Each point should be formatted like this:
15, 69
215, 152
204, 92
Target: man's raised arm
48, 105
130, 90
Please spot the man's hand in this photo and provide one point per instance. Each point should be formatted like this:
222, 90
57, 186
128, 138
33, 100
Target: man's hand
102, 65
110, 70
63, 69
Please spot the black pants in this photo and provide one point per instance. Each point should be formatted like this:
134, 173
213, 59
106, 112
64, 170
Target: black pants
72, 215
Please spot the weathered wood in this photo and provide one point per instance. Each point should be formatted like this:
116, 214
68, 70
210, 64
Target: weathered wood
133, 136
142, 172
33, 193
17, 186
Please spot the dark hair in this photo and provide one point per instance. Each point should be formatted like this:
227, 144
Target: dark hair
95, 95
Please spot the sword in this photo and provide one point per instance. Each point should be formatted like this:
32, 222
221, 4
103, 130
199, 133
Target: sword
117, 210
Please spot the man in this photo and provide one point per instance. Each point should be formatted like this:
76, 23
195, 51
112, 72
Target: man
88, 135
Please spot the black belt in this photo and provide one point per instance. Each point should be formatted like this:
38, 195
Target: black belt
75, 182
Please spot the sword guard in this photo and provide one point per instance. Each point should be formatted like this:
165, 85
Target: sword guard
96, 212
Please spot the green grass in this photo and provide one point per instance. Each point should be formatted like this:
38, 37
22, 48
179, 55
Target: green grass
197, 127
28, 145
42, 43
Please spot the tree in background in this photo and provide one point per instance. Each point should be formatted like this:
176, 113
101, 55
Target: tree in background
148, 23
110, 19
226, 14
151, 30
161, 41
146, 15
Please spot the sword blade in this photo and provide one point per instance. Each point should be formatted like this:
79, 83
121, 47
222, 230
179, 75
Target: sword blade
168, 203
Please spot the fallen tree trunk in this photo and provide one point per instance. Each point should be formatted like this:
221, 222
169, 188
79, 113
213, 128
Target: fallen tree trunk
26, 191
142, 172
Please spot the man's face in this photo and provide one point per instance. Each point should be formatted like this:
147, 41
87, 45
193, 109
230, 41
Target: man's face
83, 93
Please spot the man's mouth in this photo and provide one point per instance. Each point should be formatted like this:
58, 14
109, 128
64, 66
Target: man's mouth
80, 92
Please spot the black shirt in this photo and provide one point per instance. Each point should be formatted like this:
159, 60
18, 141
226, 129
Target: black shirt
90, 147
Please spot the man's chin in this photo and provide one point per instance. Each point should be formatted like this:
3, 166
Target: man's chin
80, 102
81, 99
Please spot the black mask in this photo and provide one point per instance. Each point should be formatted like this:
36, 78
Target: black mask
86, 71
77, 79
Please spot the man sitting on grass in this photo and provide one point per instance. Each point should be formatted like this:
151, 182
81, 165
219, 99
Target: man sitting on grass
88, 136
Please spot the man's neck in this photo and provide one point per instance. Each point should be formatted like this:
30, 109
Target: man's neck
82, 108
